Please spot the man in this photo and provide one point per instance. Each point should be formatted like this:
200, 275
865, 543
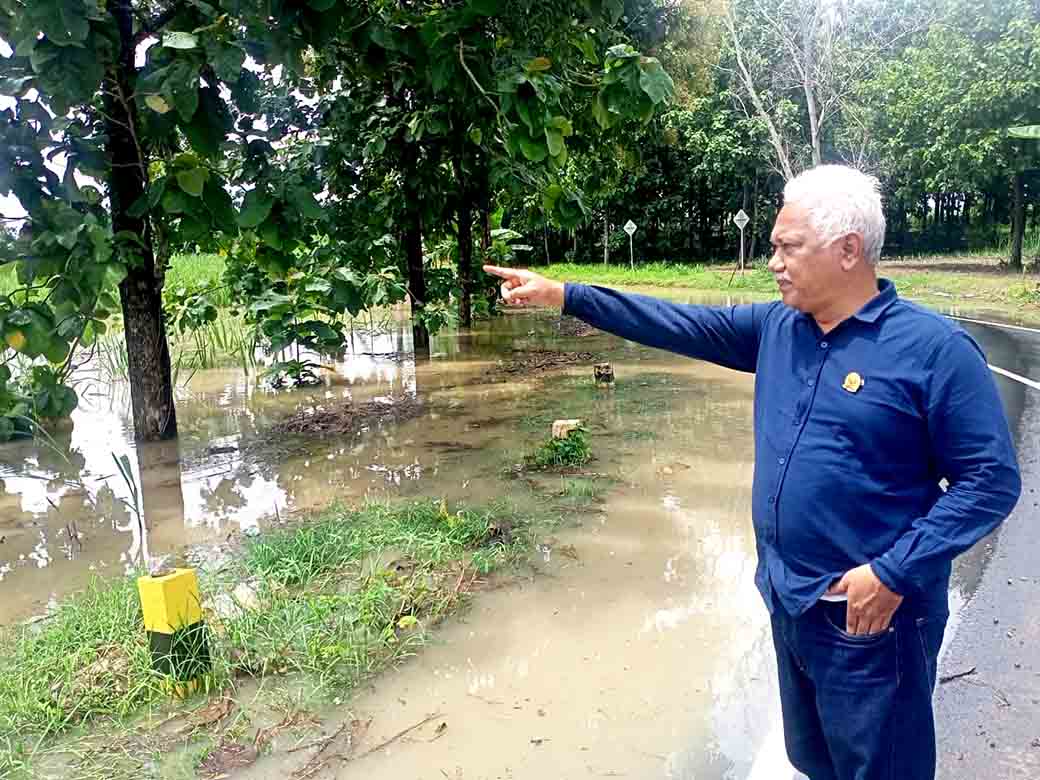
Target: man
864, 403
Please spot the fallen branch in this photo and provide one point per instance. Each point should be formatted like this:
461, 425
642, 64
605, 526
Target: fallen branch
951, 677
397, 736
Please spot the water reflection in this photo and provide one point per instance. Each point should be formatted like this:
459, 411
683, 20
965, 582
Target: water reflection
66, 507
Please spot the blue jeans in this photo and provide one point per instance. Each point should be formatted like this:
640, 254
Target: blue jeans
858, 707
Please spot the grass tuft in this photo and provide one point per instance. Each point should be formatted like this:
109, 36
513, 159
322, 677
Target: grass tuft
568, 452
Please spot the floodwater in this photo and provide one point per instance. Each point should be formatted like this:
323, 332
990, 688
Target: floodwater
642, 650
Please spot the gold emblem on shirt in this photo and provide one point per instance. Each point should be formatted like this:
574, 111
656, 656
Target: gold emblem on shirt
853, 382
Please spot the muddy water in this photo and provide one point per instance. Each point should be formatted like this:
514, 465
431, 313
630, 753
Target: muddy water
642, 654
67, 514
643, 651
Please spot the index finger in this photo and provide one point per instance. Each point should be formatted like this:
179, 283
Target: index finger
504, 273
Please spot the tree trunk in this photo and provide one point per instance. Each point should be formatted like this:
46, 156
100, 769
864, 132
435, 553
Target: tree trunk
416, 281
485, 241
465, 237
754, 219
1018, 221
148, 352
413, 250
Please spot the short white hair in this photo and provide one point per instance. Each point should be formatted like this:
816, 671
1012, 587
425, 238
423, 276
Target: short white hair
841, 200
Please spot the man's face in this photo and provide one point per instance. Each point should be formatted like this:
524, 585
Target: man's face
807, 270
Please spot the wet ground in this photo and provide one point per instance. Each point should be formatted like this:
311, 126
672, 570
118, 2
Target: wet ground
641, 650
990, 720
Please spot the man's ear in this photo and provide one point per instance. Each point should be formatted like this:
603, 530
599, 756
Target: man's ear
851, 248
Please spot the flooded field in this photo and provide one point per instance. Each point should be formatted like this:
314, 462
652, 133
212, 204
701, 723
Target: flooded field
641, 650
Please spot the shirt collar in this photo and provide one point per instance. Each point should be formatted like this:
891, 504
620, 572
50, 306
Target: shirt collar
879, 304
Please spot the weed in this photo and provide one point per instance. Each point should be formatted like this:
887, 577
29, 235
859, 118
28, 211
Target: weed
568, 452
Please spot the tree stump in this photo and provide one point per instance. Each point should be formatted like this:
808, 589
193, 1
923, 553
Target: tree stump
604, 374
561, 429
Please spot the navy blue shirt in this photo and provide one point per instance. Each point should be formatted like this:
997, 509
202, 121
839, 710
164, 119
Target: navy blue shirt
854, 431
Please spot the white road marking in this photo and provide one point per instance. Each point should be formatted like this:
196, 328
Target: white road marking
1016, 377
997, 369
994, 324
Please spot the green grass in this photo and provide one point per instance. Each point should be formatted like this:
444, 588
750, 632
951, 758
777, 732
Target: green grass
684, 275
195, 272
1018, 294
569, 452
339, 599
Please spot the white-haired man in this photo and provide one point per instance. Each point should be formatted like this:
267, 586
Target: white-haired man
864, 403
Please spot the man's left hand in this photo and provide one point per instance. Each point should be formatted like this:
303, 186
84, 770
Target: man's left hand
871, 604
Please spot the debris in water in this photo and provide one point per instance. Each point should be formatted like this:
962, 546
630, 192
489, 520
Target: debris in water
348, 418
227, 758
572, 327
214, 712
530, 361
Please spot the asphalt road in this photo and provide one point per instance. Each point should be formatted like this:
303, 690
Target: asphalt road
989, 720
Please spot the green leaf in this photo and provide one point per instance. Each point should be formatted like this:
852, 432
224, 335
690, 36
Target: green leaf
538, 65
255, 208
115, 273
271, 233
193, 181
533, 150
305, 203
476, 135
622, 51
654, 81
563, 124
18, 317
69, 238
486, 7
56, 352
157, 103
179, 40
176, 202
209, 126
550, 196
322, 5
69, 27
218, 201
554, 139
227, 62
600, 112
587, 47
1028, 132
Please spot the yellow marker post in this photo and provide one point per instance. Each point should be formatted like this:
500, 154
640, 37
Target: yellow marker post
176, 634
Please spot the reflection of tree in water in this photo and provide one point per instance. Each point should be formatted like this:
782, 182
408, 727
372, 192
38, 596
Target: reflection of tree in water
226, 495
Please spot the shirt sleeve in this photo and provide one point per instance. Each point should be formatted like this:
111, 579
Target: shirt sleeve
972, 448
728, 336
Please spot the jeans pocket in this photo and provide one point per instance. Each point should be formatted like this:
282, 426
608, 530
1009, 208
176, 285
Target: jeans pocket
930, 631
835, 617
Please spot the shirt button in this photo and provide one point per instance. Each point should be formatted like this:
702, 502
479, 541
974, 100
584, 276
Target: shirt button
772, 500
782, 461
824, 345
797, 421
811, 382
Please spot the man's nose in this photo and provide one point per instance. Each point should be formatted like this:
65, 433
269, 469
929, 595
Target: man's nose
776, 265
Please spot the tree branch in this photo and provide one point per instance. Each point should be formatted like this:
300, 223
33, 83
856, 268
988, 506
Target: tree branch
156, 23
